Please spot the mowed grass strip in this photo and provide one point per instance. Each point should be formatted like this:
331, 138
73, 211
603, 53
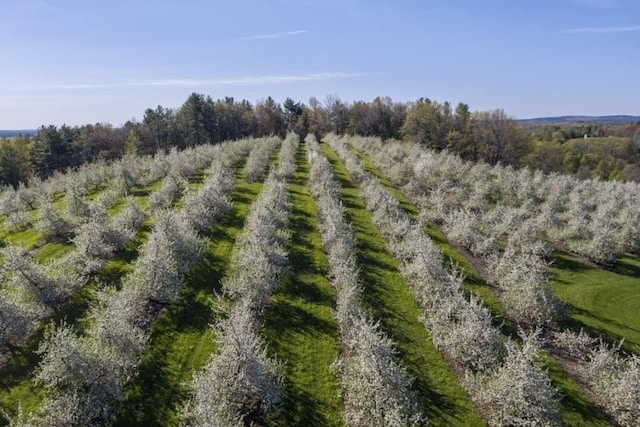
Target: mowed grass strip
299, 327
181, 339
577, 408
606, 301
390, 299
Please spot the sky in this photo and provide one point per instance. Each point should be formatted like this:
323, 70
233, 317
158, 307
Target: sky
76, 61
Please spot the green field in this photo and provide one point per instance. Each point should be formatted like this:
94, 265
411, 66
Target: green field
605, 301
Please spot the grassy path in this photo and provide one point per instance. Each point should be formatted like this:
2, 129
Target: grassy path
299, 325
181, 338
604, 301
577, 409
389, 298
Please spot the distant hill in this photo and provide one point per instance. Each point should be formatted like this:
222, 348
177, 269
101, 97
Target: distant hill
583, 119
12, 133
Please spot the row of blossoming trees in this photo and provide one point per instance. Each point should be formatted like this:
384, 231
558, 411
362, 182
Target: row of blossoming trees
510, 221
87, 370
376, 390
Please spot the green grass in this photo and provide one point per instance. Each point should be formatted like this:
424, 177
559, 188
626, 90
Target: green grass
16, 385
31, 238
576, 407
28, 237
389, 299
95, 190
300, 328
604, 301
181, 338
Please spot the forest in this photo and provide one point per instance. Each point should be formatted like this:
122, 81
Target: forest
609, 152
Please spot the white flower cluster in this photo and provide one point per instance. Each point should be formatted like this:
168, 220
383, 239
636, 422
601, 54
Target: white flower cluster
614, 378
240, 384
259, 158
172, 187
517, 392
31, 290
87, 374
592, 218
288, 154
16, 205
460, 325
376, 390
52, 224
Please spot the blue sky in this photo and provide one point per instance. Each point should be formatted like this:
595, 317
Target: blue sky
79, 61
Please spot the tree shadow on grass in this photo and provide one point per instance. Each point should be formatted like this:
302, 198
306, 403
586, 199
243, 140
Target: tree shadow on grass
571, 402
599, 332
300, 316
626, 268
152, 398
299, 408
284, 315
563, 261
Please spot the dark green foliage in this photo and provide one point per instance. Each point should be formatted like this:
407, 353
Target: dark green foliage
609, 157
15, 155
192, 120
491, 136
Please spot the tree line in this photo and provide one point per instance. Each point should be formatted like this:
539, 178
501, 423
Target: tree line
491, 136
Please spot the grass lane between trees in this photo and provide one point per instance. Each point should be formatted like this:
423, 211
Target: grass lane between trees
389, 299
299, 327
605, 300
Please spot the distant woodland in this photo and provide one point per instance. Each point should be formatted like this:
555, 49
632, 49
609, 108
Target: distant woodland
596, 151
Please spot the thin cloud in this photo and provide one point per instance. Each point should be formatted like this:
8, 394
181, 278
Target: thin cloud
602, 30
274, 35
237, 81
